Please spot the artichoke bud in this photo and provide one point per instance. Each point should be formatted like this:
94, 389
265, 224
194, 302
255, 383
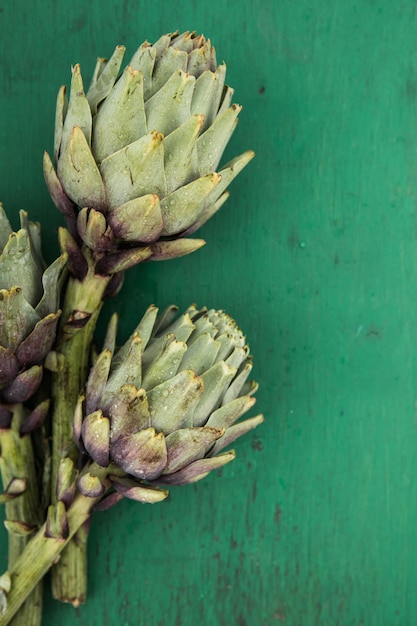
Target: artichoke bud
142, 148
29, 308
162, 407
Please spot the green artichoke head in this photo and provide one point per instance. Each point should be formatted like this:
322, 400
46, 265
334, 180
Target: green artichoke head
161, 409
29, 308
137, 155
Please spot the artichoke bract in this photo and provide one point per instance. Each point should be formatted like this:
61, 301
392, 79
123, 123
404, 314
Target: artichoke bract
161, 409
137, 154
29, 310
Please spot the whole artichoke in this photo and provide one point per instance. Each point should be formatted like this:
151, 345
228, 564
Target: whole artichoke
29, 310
160, 410
138, 154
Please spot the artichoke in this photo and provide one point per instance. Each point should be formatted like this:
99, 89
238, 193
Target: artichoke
137, 154
29, 310
159, 410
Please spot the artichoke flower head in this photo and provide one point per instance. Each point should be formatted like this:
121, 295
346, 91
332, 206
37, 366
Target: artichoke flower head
137, 154
29, 309
159, 410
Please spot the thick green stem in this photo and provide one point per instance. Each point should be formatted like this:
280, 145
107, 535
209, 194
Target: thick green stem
23, 514
80, 312
41, 553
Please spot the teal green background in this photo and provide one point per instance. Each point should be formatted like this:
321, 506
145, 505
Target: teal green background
314, 254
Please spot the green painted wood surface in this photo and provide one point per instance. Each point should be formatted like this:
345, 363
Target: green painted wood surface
315, 255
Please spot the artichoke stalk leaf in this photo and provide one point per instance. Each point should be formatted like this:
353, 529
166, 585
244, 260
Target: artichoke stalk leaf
66, 481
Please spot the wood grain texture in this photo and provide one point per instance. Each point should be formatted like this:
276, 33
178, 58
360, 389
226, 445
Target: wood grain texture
315, 255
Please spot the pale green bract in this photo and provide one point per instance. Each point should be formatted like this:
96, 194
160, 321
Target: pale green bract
138, 153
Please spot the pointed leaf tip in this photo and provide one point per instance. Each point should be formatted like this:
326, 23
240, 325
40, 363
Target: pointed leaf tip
164, 250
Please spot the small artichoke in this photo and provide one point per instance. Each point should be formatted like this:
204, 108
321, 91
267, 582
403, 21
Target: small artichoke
161, 409
29, 310
138, 154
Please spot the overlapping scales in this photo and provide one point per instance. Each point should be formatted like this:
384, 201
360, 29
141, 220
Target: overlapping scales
29, 310
143, 148
161, 409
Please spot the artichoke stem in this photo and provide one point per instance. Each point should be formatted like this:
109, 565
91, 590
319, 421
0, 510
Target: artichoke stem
17, 461
41, 553
80, 312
